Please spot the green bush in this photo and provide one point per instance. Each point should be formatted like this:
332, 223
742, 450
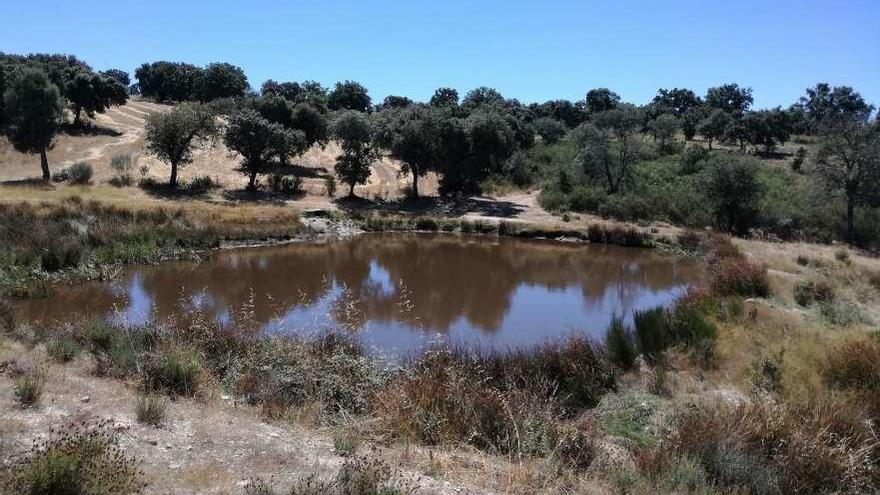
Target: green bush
586, 199
620, 348
176, 370
693, 160
28, 387
810, 291
63, 349
123, 165
80, 173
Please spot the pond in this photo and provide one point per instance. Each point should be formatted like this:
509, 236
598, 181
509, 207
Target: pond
397, 293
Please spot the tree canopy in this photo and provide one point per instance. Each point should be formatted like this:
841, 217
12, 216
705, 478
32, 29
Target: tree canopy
34, 112
354, 132
172, 136
349, 95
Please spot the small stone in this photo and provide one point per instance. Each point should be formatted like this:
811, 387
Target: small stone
168, 446
152, 441
85, 399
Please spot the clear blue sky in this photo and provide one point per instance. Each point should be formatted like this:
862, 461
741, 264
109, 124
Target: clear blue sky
529, 50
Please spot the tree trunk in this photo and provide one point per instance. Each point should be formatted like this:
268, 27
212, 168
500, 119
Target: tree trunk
850, 220
173, 182
415, 186
351, 190
76, 117
252, 183
44, 164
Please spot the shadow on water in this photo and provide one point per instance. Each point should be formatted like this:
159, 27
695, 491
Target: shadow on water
398, 292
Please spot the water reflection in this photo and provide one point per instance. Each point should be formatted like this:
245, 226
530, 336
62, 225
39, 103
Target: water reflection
397, 292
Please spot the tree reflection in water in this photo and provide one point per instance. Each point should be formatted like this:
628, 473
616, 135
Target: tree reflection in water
397, 291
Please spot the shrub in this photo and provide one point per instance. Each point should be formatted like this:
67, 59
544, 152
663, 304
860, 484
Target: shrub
330, 185
800, 157
282, 184
7, 318
855, 366
331, 372
653, 333
123, 165
693, 160
28, 387
766, 447
176, 370
732, 276
81, 459
62, 175
63, 349
506, 402
553, 199
586, 199
766, 373
842, 255
810, 291
839, 312
735, 191
620, 348
346, 441
150, 409
80, 173
117, 350
201, 185
60, 253
659, 328
427, 223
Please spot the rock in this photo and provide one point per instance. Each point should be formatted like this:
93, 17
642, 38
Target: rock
152, 441
85, 399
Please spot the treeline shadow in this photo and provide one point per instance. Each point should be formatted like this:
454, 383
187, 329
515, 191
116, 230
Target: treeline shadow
432, 206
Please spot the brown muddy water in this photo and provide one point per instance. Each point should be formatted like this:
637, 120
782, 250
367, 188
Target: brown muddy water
397, 293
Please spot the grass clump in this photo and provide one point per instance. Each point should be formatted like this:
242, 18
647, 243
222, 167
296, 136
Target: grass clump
767, 447
621, 349
123, 165
64, 348
150, 409
79, 459
28, 387
346, 441
854, 367
660, 328
811, 291
175, 370
740, 277
80, 173
117, 350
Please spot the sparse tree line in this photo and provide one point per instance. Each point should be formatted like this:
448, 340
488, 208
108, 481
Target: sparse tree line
37, 90
465, 141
